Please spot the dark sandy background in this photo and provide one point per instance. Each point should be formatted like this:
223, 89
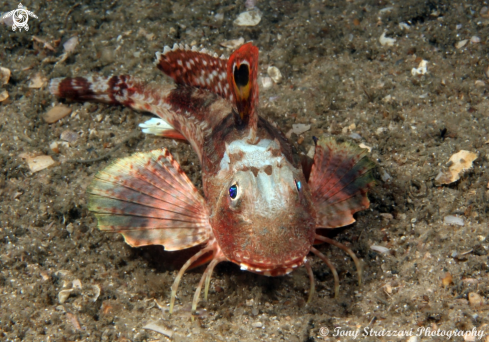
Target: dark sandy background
338, 78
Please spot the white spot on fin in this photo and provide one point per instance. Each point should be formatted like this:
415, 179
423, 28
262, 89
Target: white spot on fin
155, 126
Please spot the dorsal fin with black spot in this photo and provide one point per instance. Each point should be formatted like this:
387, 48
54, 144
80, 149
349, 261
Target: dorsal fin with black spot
242, 71
234, 79
202, 69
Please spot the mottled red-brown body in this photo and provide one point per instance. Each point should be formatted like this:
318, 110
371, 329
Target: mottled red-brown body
260, 208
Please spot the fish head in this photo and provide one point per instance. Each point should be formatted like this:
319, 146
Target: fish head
263, 218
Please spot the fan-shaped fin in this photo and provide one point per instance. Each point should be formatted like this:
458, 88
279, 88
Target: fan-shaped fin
339, 180
149, 200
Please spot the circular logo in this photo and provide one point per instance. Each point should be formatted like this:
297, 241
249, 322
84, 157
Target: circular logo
323, 331
20, 18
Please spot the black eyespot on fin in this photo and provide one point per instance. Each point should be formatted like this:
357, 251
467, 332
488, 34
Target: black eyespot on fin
242, 75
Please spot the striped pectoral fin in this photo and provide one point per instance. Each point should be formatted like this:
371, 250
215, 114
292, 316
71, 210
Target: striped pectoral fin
339, 180
189, 66
149, 200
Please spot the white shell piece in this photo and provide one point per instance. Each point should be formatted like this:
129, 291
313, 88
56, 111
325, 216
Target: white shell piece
380, 249
404, 26
249, 18
266, 82
233, 43
421, 70
386, 41
460, 44
63, 295
453, 220
275, 74
97, 291
77, 284
159, 329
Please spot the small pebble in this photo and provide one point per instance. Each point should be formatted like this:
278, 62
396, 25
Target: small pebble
298, 129
421, 69
3, 95
385, 176
266, 82
460, 44
380, 130
484, 12
475, 299
380, 249
159, 329
385, 41
56, 113
368, 148
233, 43
447, 279
39, 163
249, 18
70, 228
69, 136
355, 136
453, 220
475, 40
77, 282
4, 75
257, 324
274, 74
63, 295
404, 26
37, 81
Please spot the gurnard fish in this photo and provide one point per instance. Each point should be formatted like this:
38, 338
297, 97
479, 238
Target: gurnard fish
262, 203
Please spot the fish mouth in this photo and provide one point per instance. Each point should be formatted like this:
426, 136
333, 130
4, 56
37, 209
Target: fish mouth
273, 270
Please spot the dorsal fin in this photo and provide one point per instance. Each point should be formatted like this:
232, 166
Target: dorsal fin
196, 68
242, 74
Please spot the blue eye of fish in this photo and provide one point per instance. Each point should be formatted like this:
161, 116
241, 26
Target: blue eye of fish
298, 185
233, 191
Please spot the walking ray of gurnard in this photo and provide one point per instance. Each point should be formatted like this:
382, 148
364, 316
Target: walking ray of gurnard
262, 204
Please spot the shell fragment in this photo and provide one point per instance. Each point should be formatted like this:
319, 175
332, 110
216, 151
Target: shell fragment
4, 75
274, 74
386, 40
233, 43
249, 18
459, 162
56, 113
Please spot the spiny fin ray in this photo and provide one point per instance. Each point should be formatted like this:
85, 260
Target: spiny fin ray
200, 69
339, 180
149, 200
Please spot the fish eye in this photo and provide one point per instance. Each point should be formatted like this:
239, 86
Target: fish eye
298, 185
233, 191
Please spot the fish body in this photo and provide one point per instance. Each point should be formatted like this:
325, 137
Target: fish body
261, 207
